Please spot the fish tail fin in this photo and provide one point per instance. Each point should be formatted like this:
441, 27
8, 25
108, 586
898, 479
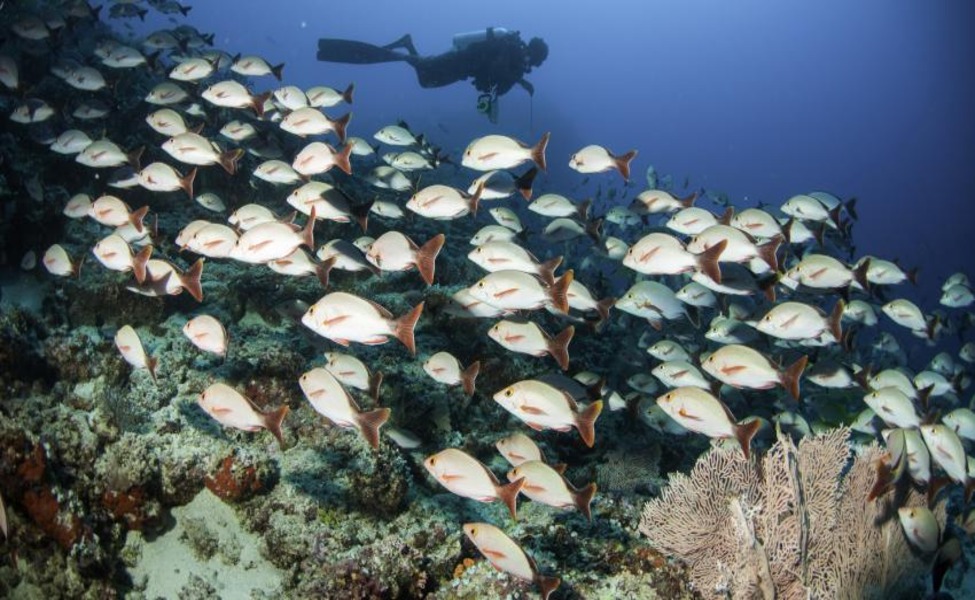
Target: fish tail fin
707, 261
860, 275
426, 257
186, 182
767, 286
468, 375
228, 160
277, 70
474, 201
525, 181
538, 152
727, 216
623, 163
836, 320
348, 92
851, 207
139, 261
583, 209
594, 229
370, 422
190, 280
403, 327
375, 383
834, 216
323, 269
932, 327
547, 585
342, 160
273, 421
767, 252
558, 292
151, 363
134, 156
583, 498
136, 217
820, 234
558, 346
787, 229
308, 233
341, 124
688, 201
790, 378
508, 493
546, 270
361, 214
934, 488
912, 275
745, 433
586, 422
884, 479
603, 307
76, 266
257, 103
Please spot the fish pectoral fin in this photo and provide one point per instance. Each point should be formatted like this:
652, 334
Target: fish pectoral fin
513, 338
487, 156
683, 412
494, 554
816, 274
533, 488
528, 409
334, 320
731, 370
506, 292
447, 477
259, 245
220, 410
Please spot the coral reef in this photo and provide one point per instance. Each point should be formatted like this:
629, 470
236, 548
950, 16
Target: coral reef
793, 524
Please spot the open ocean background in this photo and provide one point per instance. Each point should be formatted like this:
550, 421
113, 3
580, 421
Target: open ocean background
757, 98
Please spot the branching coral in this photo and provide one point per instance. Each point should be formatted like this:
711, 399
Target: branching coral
795, 524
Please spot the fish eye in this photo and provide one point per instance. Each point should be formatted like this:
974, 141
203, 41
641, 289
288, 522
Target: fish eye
507, 393
480, 284
433, 460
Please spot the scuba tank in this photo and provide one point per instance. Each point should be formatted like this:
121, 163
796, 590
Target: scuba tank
463, 40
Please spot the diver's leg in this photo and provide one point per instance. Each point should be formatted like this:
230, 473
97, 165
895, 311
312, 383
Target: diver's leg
405, 42
350, 51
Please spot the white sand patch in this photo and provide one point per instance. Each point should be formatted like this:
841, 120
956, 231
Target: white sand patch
234, 569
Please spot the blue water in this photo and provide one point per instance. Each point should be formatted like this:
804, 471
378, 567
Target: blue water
757, 98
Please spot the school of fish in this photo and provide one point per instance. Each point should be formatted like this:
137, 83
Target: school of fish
724, 323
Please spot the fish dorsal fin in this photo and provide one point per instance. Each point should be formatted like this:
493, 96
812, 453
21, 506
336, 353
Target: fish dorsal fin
382, 310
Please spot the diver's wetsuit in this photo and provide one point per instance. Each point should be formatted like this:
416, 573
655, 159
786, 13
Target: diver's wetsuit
496, 63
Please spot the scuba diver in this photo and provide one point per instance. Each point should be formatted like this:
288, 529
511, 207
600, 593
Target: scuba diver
495, 58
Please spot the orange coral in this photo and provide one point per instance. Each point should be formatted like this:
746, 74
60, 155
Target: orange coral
233, 483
